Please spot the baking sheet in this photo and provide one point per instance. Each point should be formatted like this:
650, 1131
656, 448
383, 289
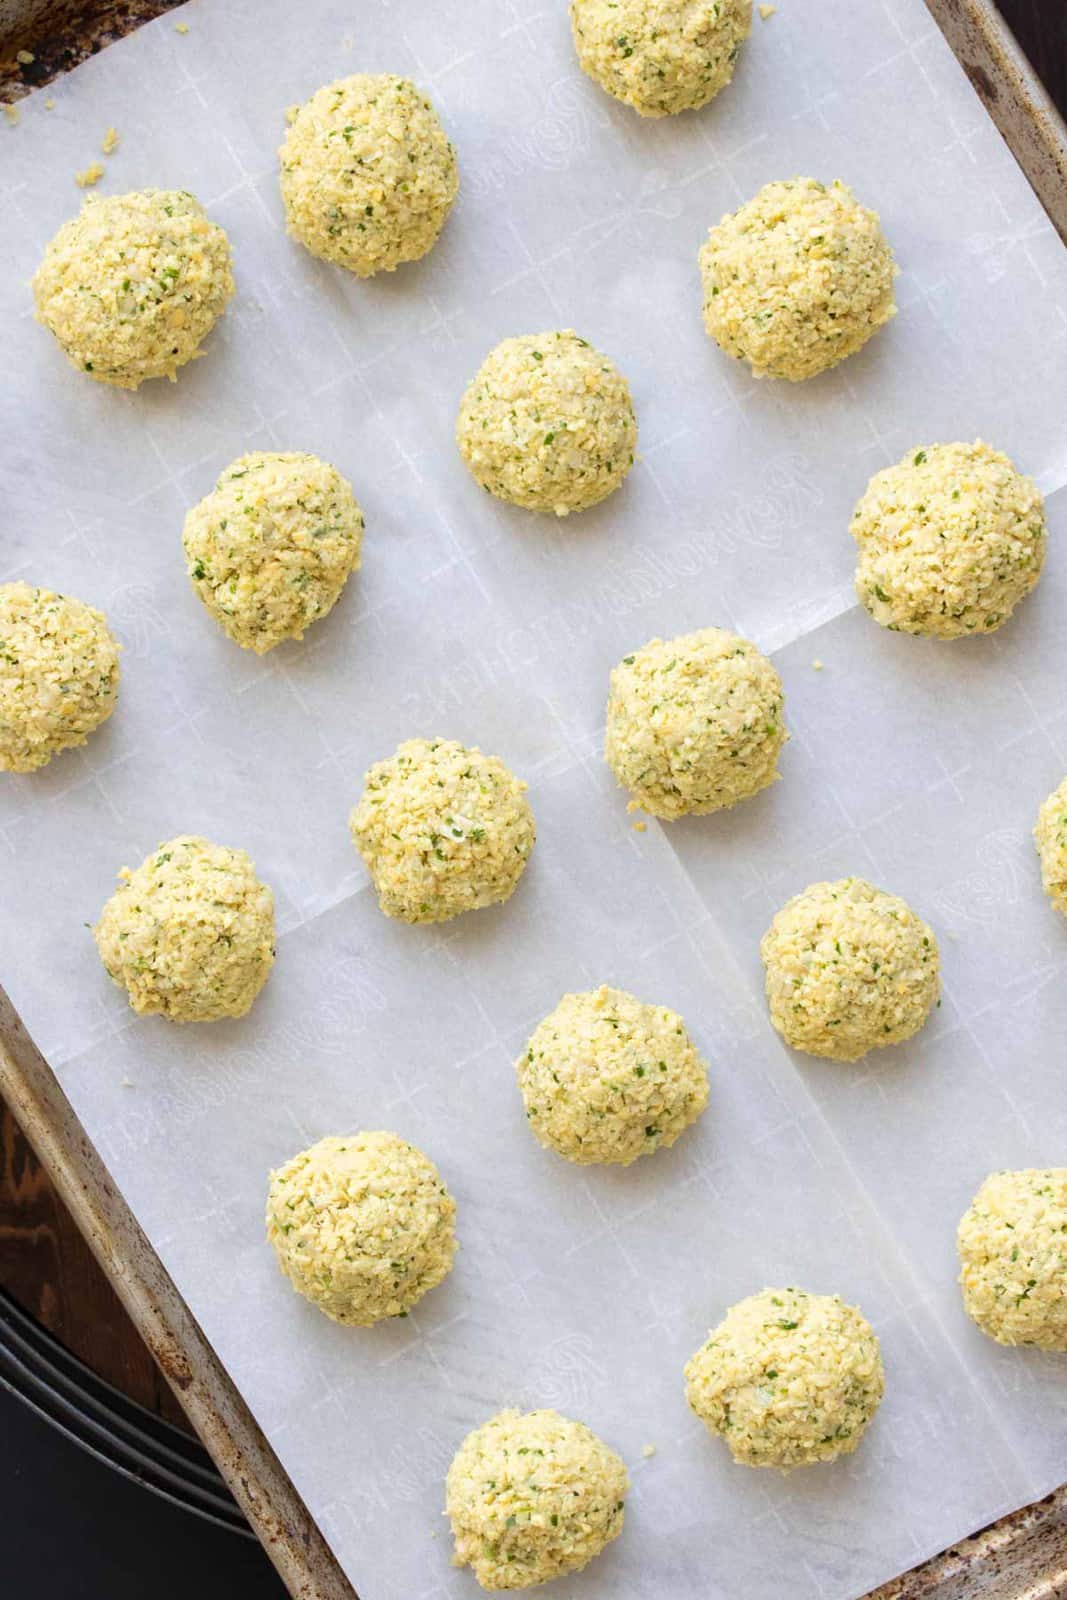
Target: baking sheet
919, 765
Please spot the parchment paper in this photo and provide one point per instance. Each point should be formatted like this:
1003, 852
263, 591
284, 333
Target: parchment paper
917, 764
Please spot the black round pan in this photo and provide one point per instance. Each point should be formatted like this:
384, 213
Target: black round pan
107, 1424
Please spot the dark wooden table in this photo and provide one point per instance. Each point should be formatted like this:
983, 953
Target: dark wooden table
1041, 28
48, 1268
43, 1261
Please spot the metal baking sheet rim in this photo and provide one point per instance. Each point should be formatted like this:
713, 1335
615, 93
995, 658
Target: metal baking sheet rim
1021, 1557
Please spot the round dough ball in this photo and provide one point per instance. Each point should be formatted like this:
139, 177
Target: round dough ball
606, 1078
59, 674
1012, 1244
950, 540
797, 279
849, 969
788, 1378
547, 423
133, 285
442, 829
368, 174
190, 933
271, 548
1050, 836
532, 1496
694, 723
660, 56
362, 1226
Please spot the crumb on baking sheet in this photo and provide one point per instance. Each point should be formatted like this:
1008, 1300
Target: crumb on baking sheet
50, 104
89, 175
181, 27
767, 12
648, 1451
11, 113
110, 141
639, 827
816, 665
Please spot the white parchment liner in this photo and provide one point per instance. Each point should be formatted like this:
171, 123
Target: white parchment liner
917, 764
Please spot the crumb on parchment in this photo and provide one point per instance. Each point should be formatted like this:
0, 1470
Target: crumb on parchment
639, 827
11, 113
181, 27
50, 104
816, 665
89, 175
767, 12
648, 1451
110, 142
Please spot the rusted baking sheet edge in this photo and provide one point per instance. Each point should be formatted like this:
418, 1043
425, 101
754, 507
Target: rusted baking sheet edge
1012, 93
1021, 1557
193, 1370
